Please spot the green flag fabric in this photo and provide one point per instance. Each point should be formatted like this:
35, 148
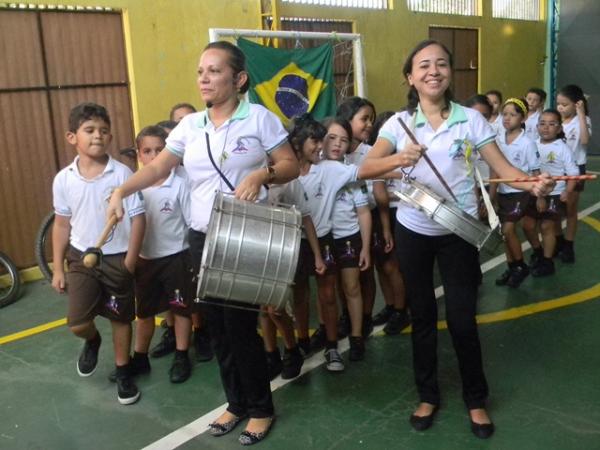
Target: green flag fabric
291, 82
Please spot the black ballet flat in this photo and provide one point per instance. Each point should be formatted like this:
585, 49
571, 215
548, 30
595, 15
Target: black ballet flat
219, 429
250, 438
482, 430
422, 423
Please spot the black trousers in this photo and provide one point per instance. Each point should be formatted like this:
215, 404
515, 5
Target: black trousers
238, 348
458, 264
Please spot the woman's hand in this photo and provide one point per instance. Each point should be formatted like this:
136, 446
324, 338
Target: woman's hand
115, 205
250, 186
410, 154
543, 186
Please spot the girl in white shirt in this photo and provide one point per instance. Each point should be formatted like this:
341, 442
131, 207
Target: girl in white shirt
495, 120
536, 98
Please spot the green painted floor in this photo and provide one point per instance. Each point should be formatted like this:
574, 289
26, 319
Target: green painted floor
543, 370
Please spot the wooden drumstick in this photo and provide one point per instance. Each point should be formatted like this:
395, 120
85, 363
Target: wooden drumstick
90, 259
556, 178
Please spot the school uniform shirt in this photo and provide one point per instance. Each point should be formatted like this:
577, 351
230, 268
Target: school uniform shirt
521, 153
356, 158
452, 148
392, 185
239, 146
497, 125
344, 216
290, 193
85, 201
321, 184
556, 158
573, 134
167, 217
531, 130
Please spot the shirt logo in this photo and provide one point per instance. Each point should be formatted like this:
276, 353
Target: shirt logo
551, 157
319, 192
166, 206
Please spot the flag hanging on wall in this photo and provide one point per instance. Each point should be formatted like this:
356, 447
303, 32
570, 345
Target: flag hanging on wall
291, 82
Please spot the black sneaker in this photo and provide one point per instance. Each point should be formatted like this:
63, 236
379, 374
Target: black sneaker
503, 279
383, 316
357, 348
535, 258
398, 322
274, 364
544, 268
138, 365
181, 368
292, 363
166, 344
318, 338
367, 326
204, 351
567, 254
88, 358
344, 325
127, 391
517, 276
304, 346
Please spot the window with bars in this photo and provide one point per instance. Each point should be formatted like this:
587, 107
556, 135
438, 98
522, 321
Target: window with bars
369, 4
460, 7
516, 9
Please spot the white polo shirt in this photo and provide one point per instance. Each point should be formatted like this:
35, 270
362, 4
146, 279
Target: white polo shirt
452, 148
85, 201
344, 217
556, 158
356, 158
321, 184
239, 146
521, 153
167, 217
531, 130
290, 193
573, 134
497, 125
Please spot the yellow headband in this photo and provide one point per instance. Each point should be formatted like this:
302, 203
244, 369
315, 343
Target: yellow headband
519, 103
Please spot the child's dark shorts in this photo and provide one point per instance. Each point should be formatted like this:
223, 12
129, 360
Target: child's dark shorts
347, 251
580, 185
512, 206
306, 259
556, 209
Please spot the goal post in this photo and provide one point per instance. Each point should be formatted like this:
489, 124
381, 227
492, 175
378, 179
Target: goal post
215, 34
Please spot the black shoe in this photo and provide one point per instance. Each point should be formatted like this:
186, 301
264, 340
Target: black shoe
544, 268
367, 326
482, 430
181, 368
422, 423
292, 363
343, 325
318, 338
88, 358
127, 391
219, 429
398, 322
503, 279
166, 344
383, 316
249, 438
138, 365
517, 276
567, 254
204, 351
304, 346
274, 364
357, 348
535, 258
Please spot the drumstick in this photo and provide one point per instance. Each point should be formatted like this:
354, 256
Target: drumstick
427, 160
556, 178
90, 259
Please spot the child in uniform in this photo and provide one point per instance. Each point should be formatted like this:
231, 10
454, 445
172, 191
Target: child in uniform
495, 120
536, 98
80, 194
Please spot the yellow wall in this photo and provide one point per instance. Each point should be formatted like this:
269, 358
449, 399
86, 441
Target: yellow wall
165, 38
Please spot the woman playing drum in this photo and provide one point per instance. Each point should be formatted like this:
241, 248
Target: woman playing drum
240, 138
452, 135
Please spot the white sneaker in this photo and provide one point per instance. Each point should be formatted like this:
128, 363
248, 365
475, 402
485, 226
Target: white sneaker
335, 363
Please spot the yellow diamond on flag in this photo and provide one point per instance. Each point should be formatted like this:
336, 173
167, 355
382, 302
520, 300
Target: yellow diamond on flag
291, 92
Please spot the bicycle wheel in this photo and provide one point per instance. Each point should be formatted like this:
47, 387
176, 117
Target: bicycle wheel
10, 283
43, 246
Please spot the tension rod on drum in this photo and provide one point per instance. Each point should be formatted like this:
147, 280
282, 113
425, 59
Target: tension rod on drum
256, 308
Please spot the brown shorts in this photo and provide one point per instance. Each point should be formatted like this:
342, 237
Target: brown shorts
347, 251
512, 206
306, 260
555, 211
106, 290
164, 283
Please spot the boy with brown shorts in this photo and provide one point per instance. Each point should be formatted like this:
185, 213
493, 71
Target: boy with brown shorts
80, 194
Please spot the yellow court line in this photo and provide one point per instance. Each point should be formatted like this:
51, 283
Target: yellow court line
32, 331
592, 222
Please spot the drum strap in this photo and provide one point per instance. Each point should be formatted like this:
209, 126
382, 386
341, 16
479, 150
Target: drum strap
492, 217
212, 160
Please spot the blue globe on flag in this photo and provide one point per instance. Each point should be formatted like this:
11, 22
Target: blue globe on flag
292, 95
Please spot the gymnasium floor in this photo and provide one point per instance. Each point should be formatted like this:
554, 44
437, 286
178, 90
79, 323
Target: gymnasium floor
541, 356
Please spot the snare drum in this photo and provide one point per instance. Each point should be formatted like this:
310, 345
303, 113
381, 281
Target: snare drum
450, 216
250, 253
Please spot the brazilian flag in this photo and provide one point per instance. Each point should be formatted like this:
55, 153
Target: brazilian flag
291, 82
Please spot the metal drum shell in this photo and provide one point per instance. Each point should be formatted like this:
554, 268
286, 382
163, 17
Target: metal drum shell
250, 253
450, 216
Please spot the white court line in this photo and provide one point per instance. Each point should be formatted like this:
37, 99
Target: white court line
200, 425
